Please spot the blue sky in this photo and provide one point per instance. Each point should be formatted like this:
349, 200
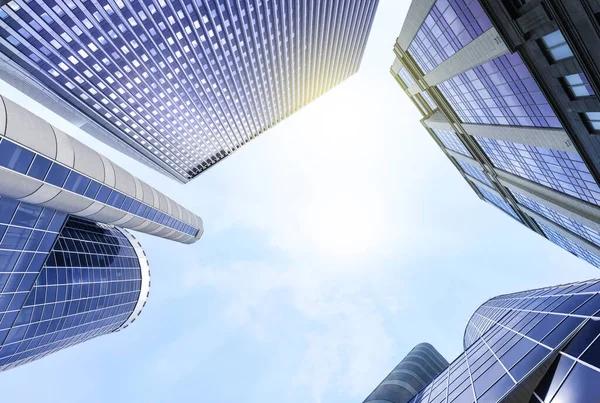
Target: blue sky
333, 244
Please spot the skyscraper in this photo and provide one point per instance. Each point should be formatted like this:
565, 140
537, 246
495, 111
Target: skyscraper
181, 84
43, 166
420, 366
508, 90
68, 272
63, 280
533, 346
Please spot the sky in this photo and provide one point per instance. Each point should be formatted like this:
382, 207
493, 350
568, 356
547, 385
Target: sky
333, 244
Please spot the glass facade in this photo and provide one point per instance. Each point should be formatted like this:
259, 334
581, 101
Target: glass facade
449, 27
510, 336
575, 227
24, 161
185, 83
475, 172
499, 92
429, 100
88, 284
406, 77
451, 141
560, 170
498, 202
569, 245
420, 366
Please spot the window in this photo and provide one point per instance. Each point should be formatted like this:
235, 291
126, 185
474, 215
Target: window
578, 85
592, 119
556, 46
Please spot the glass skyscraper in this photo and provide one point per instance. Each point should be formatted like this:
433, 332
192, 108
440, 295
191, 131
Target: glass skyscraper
533, 346
68, 272
420, 366
63, 280
180, 84
43, 166
508, 90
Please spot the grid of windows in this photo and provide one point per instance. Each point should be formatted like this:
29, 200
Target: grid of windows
451, 141
498, 202
574, 226
27, 234
500, 92
560, 170
449, 27
406, 77
24, 161
429, 100
186, 82
88, 286
569, 245
556, 46
578, 85
593, 120
475, 172
508, 336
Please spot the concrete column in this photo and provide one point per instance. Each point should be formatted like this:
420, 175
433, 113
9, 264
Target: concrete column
438, 121
485, 47
463, 158
576, 239
414, 19
570, 206
557, 139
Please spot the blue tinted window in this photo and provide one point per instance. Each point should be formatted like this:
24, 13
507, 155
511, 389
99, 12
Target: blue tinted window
560, 170
103, 194
449, 26
499, 92
92, 266
451, 141
499, 202
77, 183
569, 245
574, 226
475, 172
92, 189
15, 157
39, 168
57, 175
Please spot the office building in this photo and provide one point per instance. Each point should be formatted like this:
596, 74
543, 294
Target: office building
63, 280
182, 84
42, 166
68, 271
533, 346
420, 366
508, 90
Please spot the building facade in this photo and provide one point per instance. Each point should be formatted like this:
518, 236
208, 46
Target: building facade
533, 346
420, 366
63, 280
43, 166
180, 85
509, 91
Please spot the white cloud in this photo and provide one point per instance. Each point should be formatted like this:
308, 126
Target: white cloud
347, 337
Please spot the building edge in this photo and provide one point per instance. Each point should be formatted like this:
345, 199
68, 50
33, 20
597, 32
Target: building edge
146, 281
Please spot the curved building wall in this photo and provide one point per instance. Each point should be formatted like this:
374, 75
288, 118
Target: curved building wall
94, 281
420, 366
41, 165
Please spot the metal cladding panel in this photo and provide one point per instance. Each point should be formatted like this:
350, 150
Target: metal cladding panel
185, 83
29, 130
